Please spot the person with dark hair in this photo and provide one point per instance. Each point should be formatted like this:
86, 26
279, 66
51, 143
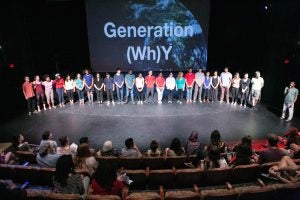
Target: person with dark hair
28, 92
49, 93
66, 181
189, 81
109, 87
19, 143
69, 89
180, 86
193, 145
290, 97
150, 82
154, 150
215, 140
105, 180
225, 84
10, 191
108, 150
88, 81
206, 87
129, 82
213, 159
64, 146
293, 141
39, 92
139, 84
79, 88
199, 80
170, 85
175, 149
236, 82
60, 87
119, 82
160, 82
215, 83
98, 84
131, 150
244, 88
84, 159
48, 137
84, 140
46, 156
243, 155
274, 153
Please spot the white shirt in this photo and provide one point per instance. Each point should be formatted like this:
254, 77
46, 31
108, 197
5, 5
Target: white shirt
69, 85
199, 77
139, 82
226, 79
170, 83
257, 83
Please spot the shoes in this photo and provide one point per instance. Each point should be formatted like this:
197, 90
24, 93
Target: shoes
35, 111
221, 101
113, 103
282, 117
159, 102
288, 120
200, 101
141, 102
194, 101
190, 165
108, 103
29, 113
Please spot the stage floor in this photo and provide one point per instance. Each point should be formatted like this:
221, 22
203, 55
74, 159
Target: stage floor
161, 122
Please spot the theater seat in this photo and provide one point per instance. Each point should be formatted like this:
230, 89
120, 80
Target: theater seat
154, 162
7, 171
132, 163
61, 196
138, 177
264, 168
175, 162
218, 194
144, 196
111, 160
182, 195
35, 194
290, 191
26, 156
103, 197
165, 178
186, 178
256, 193
217, 176
245, 173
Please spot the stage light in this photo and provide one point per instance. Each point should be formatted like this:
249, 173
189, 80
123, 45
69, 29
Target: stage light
266, 7
286, 61
11, 65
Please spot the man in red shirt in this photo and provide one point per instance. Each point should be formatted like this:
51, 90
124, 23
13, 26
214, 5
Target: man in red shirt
150, 81
28, 92
160, 86
189, 80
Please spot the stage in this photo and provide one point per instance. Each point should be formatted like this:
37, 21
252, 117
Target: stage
161, 122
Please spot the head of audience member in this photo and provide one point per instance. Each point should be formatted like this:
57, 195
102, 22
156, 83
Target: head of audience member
207, 73
176, 147
243, 154
246, 76
190, 70
293, 136
84, 140
47, 78
83, 151
257, 74
171, 74
44, 149
215, 73
107, 146
214, 155
64, 167
226, 69
192, 144
105, 175
129, 143
215, 138
154, 146
292, 84
272, 140
150, 73
18, 139
64, 141
107, 75
78, 76
37, 78
26, 79
118, 70
9, 190
47, 135
237, 75
247, 140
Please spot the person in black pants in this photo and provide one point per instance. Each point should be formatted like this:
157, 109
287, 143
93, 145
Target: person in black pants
98, 84
244, 86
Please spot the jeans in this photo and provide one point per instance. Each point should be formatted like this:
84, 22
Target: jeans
180, 94
290, 107
197, 92
160, 93
119, 93
214, 94
244, 97
235, 94
170, 95
128, 90
80, 94
223, 91
70, 95
60, 93
189, 92
148, 92
99, 94
110, 94
31, 104
140, 95
206, 94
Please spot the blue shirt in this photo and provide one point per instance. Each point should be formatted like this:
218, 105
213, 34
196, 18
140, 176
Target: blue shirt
119, 78
130, 79
109, 82
88, 79
79, 83
180, 83
206, 82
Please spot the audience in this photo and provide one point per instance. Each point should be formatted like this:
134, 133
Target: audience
293, 141
274, 153
7, 158
175, 149
244, 152
10, 191
47, 137
46, 156
85, 140
19, 143
64, 146
213, 159
154, 150
215, 140
108, 150
66, 181
105, 180
84, 159
131, 150
193, 145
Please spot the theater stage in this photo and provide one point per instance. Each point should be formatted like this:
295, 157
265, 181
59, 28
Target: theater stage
161, 122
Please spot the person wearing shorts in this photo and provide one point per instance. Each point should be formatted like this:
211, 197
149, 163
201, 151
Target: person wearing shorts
39, 93
257, 85
88, 81
225, 78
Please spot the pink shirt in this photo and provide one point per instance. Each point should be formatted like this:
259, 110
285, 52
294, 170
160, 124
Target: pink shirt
48, 85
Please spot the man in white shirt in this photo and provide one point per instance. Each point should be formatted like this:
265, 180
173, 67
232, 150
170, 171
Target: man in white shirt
225, 78
199, 77
170, 84
257, 84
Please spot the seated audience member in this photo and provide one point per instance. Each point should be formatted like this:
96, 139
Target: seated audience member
131, 150
274, 153
66, 181
215, 140
293, 141
193, 145
46, 156
19, 143
48, 137
286, 171
175, 149
108, 150
84, 159
9, 191
105, 181
86, 141
154, 150
64, 146
244, 153
7, 158
213, 159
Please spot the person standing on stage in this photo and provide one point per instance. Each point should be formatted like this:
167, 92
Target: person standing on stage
48, 84
129, 82
190, 80
257, 84
109, 87
290, 98
225, 78
235, 88
244, 86
28, 92
69, 88
170, 85
199, 79
139, 84
39, 92
88, 81
98, 84
180, 86
150, 81
215, 82
79, 88
206, 87
160, 87
60, 87
119, 82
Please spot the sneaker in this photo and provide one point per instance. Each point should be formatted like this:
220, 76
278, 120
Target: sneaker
160, 102
190, 165
63, 105
113, 103
234, 104
108, 103
35, 111
39, 110
288, 120
241, 105
180, 102
49, 108
245, 106
221, 101
29, 113
282, 117
53, 106
141, 102
194, 101
200, 101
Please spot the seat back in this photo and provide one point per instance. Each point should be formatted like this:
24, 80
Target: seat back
256, 193
61, 196
186, 178
7, 171
103, 197
111, 160
164, 177
27, 173
245, 173
218, 194
290, 191
177, 162
218, 176
26, 156
138, 177
154, 162
132, 163
182, 195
